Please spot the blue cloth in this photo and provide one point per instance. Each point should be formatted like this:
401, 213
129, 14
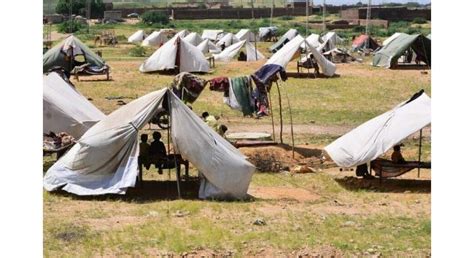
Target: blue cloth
267, 72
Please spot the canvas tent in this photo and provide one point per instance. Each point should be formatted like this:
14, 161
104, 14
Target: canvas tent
378, 135
105, 159
429, 36
182, 33
287, 52
252, 53
137, 37
65, 109
289, 35
189, 58
265, 33
389, 54
364, 42
313, 40
227, 40
213, 35
63, 55
193, 38
206, 46
330, 40
245, 34
157, 38
389, 39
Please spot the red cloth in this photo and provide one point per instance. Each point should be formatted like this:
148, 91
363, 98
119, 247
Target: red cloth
220, 84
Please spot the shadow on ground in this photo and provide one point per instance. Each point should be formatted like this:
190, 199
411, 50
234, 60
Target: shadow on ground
393, 185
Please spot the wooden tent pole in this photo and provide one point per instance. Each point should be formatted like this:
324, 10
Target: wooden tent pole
271, 111
419, 151
291, 126
178, 178
281, 114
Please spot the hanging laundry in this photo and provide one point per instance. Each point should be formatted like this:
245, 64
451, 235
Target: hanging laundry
266, 74
188, 86
260, 97
220, 84
241, 88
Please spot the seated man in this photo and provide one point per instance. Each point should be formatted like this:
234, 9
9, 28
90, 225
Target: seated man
242, 56
158, 152
397, 157
144, 156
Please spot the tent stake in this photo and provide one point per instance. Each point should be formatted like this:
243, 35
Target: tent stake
271, 110
291, 126
419, 152
281, 114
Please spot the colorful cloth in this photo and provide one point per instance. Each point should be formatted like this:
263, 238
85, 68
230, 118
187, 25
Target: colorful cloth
242, 88
266, 74
188, 86
220, 84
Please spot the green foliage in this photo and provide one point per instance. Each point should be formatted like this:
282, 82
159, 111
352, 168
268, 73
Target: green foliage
286, 18
419, 20
137, 51
79, 7
155, 17
70, 26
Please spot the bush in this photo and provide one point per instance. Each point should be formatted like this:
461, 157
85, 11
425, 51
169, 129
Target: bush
419, 20
70, 26
79, 7
154, 17
137, 51
287, 18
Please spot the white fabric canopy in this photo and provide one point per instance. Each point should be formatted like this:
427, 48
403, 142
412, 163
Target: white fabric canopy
376, 136
193, 38
227, 40
231, 51
290, 34
391, 38
65, 109
182, 33
313, 40
212, 34
330, 40
105, 159
207, 46
156, 38
245, 34
284, 55
191, 58
137, 37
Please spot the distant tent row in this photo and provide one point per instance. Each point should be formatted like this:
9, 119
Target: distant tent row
252, 54
105, 159
397, 45
289, 35
157, 38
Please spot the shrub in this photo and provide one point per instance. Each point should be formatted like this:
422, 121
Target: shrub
287, 18
419, 20
137, 51
70, 26
153, 17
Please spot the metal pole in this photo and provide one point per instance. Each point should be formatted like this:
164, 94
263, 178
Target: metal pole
367, 22
324, 15
419, 151
307, 17
271, 13
70, 15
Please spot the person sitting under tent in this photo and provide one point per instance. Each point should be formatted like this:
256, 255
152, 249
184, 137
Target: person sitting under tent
397, 156
221, 130
157, 152
242, 56
144, 156
210, 120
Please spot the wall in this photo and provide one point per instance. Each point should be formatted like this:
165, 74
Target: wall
390, 14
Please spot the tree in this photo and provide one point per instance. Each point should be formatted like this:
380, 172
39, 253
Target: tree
79, 7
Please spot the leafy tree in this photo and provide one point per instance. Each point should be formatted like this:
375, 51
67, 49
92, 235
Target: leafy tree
153, 17
79, 7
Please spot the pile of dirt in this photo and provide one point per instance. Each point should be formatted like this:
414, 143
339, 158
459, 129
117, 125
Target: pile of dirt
279, 157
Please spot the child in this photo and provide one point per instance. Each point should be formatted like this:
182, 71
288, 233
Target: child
397, 157
144, 151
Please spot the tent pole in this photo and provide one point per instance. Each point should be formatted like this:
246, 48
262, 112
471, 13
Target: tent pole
178, 183
281, 114
419, 151
291, 124
271, 110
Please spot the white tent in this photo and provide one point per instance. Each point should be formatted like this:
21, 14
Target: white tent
330, 40
105, 159
245, 34
212, 34
227, 40
137, 37
229, 53
391, 38
286, 53
376, 136
156, 38
290, 34
65, 109
313, 40
193, 38
207, 46
191, 59
182, 33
